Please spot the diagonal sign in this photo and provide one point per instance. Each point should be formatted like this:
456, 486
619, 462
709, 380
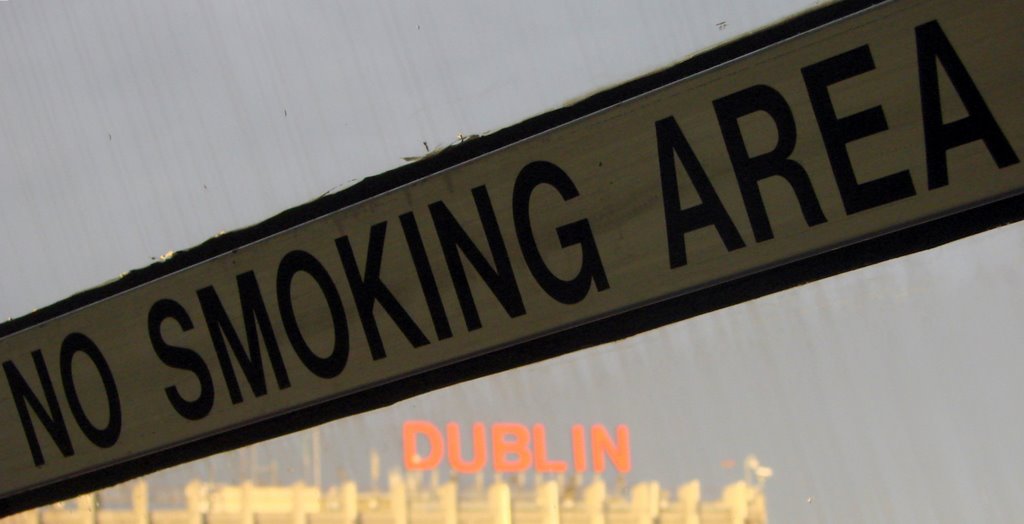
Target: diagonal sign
856, 127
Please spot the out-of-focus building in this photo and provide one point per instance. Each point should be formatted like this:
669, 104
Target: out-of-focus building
408, 500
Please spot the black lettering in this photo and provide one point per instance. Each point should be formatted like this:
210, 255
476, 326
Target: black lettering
500, 278
837, 132
292, 264
933, 47
368, 289
181, 358
257, 321
751, 170
710, 212
414, 240
50, 416
74, 344
577, 233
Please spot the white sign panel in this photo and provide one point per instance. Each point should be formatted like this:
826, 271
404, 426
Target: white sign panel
898, 115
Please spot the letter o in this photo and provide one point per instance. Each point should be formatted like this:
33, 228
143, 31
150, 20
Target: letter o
301, 261
78, 343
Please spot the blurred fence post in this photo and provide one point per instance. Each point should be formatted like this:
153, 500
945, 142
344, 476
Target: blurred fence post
349, 502
86, 507
248, 516
140, 502
194, 503
448, 493
689, 501
593, 499
399, 498
499, 498
547, 499
735, 496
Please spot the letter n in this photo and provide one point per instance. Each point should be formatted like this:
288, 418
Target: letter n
25, 398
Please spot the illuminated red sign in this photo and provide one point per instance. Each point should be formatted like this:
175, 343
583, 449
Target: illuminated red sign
512, 447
